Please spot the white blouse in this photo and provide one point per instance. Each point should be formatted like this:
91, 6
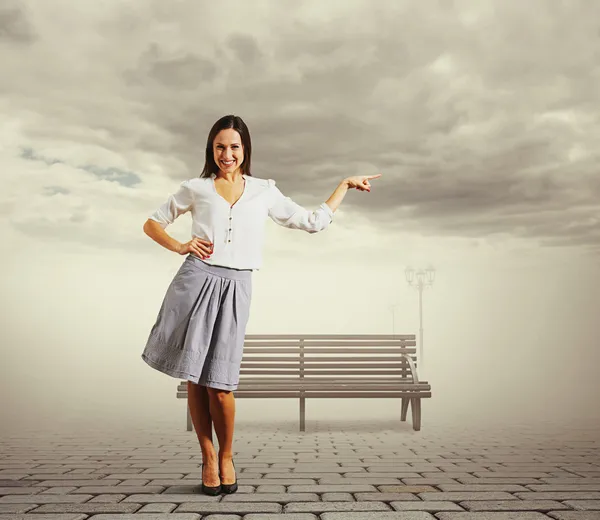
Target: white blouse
238, 231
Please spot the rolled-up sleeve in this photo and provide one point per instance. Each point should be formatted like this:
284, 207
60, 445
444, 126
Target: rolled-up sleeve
287, 213
177, 204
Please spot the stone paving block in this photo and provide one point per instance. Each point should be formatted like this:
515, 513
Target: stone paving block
21, 490
491, 515
376, 481
223, 517
394, 470
13, 475
429, 481
508, 488
564, 487
275, 516
329, 488
64, 516
512, 505
280, 498
424, 505
16, 483
128, 473
156, 476
337, 497
511, 474
16, 508
135, 482
58, 476
574, 515
495, 480
558, 495
113, 499
269, 489
444, 474
406, 489
79, 482
321, 507
584, 505
118, 489
572, 480
88, 508
157, 508
146, 516
380, 515
238, 508
284, 481
44, 499
386, 497
467, 495
58, 490
176, 498
189, 482
192, 489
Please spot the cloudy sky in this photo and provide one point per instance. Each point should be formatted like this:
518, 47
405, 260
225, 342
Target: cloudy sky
482, 117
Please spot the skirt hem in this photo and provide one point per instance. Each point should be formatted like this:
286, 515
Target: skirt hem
178, 374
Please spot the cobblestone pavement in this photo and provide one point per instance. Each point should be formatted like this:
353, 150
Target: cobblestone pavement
333, 471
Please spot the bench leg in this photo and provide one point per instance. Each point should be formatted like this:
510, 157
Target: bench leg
405, 403
189, 416
415, 404
302, 413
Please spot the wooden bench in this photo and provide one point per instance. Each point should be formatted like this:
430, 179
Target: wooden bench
330, 366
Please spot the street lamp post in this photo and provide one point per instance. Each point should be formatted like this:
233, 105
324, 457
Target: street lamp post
420, 280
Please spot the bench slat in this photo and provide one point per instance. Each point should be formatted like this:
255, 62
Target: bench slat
325, 395
377, 337
333, 359
309, 382
312, 364
295, 372
329, 344
322, 385
322, 350
337, 378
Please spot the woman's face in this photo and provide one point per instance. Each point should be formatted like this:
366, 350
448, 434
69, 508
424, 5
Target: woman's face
227, 150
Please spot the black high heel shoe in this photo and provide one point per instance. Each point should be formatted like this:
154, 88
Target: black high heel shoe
229, 488
208, 490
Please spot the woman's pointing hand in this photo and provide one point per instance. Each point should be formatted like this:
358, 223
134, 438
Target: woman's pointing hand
361, 182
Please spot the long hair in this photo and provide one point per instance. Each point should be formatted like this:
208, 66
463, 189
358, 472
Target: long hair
237, 123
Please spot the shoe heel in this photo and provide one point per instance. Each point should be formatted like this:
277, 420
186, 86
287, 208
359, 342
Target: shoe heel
209, 490
230, 488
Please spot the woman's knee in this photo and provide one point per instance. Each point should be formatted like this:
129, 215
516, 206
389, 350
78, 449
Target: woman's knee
218, 393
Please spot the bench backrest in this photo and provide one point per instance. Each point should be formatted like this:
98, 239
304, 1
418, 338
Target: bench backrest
331, 356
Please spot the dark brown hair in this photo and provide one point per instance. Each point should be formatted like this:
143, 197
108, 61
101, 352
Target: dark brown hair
237, 123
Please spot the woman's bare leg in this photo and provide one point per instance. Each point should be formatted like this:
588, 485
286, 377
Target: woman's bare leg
200, 411
222, 411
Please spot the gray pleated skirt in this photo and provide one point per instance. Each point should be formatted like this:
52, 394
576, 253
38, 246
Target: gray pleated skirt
200, 329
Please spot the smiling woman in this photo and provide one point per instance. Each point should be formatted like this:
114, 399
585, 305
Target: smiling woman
200, 329
228, 149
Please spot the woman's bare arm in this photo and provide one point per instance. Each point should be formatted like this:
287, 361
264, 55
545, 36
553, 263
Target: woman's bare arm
154, 230
337, 196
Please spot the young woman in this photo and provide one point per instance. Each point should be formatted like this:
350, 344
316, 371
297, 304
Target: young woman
199, 333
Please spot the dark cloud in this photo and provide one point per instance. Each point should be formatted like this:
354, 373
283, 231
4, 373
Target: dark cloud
185, 72
15, 24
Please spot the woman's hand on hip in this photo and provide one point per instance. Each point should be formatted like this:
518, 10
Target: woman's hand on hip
197, 246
